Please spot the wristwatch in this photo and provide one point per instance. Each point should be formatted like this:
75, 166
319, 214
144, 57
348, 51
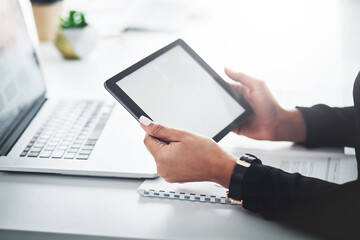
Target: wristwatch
249, 158
240, 168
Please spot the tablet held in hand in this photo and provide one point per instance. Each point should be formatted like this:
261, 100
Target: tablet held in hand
176, 87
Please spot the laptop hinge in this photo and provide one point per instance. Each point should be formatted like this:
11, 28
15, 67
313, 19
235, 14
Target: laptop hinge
19, 127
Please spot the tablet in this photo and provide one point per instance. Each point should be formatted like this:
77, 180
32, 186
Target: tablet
178, 89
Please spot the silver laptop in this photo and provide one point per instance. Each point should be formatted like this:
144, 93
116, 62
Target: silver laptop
38, 134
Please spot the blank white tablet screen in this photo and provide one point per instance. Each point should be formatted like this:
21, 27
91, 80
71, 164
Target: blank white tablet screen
176, 91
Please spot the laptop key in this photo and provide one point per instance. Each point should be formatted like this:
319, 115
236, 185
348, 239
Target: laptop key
23, 154
82, 157
33, 154
87, 147
91, 141
45, 154
63, 147
58, 153
70, 155
36, 148
85, 152
50, 148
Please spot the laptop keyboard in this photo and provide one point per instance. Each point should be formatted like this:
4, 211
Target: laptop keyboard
70, 132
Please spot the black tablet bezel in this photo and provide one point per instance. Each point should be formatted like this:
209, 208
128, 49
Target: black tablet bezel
137, 112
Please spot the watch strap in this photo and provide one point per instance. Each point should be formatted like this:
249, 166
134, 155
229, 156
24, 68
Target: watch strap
235, 186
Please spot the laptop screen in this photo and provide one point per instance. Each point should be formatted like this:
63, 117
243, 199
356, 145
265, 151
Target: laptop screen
21, 82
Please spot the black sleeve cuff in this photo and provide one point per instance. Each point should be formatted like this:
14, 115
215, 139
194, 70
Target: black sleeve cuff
252, 182
329, 126
236, 180
311, 118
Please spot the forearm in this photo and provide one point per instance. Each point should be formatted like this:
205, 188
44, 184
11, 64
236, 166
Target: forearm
308, 203
290, 126
329, 126
317, 126
275, 193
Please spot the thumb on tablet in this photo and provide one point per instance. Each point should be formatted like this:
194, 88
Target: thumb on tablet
160, 131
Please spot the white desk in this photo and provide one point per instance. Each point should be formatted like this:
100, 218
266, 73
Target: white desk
111, 207
36, 206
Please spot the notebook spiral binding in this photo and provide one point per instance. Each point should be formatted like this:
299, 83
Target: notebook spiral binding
184, 196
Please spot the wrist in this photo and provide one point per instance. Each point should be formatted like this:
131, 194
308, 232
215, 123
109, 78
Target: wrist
290, 126
223, 169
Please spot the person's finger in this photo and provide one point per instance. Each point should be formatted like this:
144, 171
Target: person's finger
244, 91
242, 78
152, 144
240, 88
160, 131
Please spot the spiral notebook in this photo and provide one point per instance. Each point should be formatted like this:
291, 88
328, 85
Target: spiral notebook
194, 191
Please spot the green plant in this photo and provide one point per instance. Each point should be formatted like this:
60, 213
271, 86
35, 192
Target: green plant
74, 19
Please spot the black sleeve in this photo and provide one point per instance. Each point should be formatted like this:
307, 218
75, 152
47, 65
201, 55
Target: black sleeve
311, 204
321, 207
330, 127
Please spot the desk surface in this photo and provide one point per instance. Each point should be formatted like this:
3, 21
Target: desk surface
111, 207
81, 206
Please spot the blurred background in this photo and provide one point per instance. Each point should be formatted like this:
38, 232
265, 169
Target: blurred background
307, 51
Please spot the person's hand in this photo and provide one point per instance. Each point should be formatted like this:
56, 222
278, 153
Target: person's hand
269, 120
188, 157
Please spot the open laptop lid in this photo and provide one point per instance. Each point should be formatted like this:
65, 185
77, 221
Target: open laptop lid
22, 88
